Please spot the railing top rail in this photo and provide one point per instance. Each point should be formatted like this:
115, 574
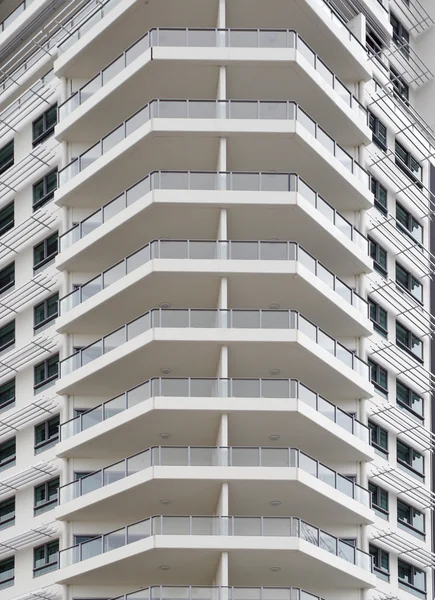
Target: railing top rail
189, 101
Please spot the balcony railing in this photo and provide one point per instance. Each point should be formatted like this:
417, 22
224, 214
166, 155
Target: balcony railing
213, 319
212, 250
212, 181
15, 14
215, 526
196, 592
194, 456
193, 387
213, 109
212, 38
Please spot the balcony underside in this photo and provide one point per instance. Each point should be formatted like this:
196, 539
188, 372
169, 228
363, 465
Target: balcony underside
194, 214
252, 73
193, 559
193, 144
196, 353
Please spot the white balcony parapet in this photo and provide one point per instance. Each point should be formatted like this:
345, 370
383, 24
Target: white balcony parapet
20, 298
212, 38
28, 538
404, 424
404, 546
213, 109
30, 475
209, 180
403, 485
22, 235
208, 592
15, 420
45, 42
23, 357
13, 16
41, 157
212, 250
191, 387
40, 93
213, 319
194, 456
215, 526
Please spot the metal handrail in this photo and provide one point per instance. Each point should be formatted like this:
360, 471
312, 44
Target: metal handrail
213, 456
213, 387
209, 250
213, 319
15, 14
213, 180
211, 109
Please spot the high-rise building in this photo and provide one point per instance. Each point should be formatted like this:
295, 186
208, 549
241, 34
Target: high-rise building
215, 322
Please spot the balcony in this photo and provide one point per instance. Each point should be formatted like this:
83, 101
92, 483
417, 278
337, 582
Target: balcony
288, 407
149, 273
192, 545
165, 63
86, 52
192, 338
187, 131
268, 205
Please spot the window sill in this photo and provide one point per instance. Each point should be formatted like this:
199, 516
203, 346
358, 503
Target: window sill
43, 446
7, 523
380, 512
7, 583
37, 572
411, 530
43, 508
7, 405
8, 464
381, 574
7, 228
411, 589
409, 351
43, 201
7, 287
415, 474
377, 267
43, 324
380, 390
407, 291
46, 134
409, 410
43, 385
381, 208
44, 263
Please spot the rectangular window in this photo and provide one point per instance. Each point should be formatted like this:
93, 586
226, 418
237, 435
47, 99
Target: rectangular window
6, 157
379, 378
379, 500
45, 558
400, 87
407, 163
409, 400
406, 340
380, 194
379, 318
374, 43
7, 572
43, 190
44, 126
411, 518
46, 372
400, 35
379, 131
379, 256
409, 283
378, 437
46, 496
410, 458
406, 223
411, 579
381, 562
46, 434
7, 277
7, 454
7, 336
7, 513
7, 218
46, 311
7, 394
45, 252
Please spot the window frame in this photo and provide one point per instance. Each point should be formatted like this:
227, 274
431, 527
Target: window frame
47, 195
400, 35
11, 223
378, 250
377, 319
10, 162
376, 432
10, 284
410, 280
419, 532
408, 466
377, 188
7, 582
406, 165
10, 402
412, 570
374, 365
400, 87
47, 257
379, 137
9, 461
48, 378
411, 339
408, 228
48, 565
377, 491
47, 131
46, 504
407, 407
45, 304
9, 521
377, 553
9, 342
49, 440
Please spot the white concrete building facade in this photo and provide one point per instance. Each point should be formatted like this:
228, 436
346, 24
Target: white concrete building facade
215, 303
